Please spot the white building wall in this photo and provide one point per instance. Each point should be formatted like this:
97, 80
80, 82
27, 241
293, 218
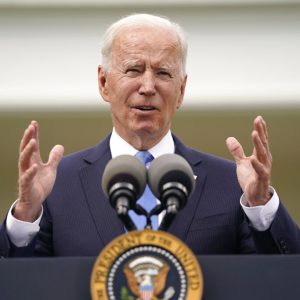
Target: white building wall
242, 53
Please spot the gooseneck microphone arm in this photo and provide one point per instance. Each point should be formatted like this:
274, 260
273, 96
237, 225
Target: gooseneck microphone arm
123, 182
123, 215
174, 197
171, 180
120, 195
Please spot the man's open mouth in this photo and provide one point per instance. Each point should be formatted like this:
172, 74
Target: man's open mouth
145, 108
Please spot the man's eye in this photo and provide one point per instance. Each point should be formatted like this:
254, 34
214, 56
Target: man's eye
132, 71
164, 73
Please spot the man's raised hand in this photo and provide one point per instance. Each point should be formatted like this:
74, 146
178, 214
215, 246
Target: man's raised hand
36, 178
254, 172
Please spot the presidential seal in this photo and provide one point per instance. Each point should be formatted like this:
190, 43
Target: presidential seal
146, 265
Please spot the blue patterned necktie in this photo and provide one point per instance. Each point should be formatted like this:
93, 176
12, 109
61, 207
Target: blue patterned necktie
147, 200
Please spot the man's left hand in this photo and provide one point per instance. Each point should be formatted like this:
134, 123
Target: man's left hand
254, 172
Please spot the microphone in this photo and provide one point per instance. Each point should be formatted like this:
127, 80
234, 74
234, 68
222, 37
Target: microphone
171, 180
123, 182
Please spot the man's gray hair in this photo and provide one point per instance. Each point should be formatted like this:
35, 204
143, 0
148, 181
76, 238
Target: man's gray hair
141, 19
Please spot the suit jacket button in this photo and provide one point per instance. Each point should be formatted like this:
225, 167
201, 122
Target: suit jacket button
283, 246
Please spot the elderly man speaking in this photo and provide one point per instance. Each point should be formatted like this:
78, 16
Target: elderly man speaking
61, 209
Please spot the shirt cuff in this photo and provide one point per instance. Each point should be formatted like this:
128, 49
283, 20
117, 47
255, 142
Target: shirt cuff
262, 216
21, 233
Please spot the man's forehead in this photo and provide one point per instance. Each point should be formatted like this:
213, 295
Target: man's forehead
137, 44
132, 61
146, 35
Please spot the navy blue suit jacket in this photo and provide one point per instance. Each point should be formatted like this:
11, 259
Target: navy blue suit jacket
79, 221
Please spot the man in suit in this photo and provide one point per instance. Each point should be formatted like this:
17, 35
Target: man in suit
61, 209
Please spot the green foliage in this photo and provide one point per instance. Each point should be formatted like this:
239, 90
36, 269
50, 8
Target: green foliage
125, 294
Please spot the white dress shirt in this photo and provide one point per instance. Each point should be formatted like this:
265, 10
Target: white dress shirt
21, 233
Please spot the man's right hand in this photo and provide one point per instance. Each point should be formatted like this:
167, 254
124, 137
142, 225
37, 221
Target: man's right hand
36, 178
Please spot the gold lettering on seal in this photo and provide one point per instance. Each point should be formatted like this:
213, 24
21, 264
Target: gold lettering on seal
189, 265
152, 240
114, 250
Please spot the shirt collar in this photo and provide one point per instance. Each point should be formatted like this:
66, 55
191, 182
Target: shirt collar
119, 146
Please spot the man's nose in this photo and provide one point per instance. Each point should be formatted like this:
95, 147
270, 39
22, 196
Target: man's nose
147, 86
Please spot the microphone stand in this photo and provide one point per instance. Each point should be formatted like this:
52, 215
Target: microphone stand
168, 219
122, 212
139, 210
173, 198
155, 211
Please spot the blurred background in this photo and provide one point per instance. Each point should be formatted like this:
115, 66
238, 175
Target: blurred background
243, 61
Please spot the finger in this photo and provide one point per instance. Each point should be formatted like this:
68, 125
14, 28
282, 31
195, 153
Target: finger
29, 134
260, 151
55, 156
25, 183
26, 178
235, 148
263, 174
26, 155
36, 133
263, 178
36, 136
261, 127
265, 128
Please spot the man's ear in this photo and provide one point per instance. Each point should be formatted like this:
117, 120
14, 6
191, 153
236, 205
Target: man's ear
102, 83
182, 91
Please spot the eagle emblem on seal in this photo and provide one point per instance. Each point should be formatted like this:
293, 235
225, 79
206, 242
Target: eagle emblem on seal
146, 278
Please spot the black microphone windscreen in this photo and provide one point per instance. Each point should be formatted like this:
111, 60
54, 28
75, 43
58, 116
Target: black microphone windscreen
124, 168
170, 168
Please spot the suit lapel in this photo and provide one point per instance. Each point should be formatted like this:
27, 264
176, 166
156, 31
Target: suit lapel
184, 218
104, 216
105, 219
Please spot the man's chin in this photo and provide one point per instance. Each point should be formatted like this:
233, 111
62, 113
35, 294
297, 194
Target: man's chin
145, 131
150, 132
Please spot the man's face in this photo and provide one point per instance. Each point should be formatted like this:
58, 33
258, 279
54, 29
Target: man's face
144, 84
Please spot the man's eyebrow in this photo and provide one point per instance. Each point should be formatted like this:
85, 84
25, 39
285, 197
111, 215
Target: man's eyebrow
165, 68
130, 63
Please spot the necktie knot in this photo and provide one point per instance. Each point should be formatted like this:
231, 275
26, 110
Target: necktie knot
144, 156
